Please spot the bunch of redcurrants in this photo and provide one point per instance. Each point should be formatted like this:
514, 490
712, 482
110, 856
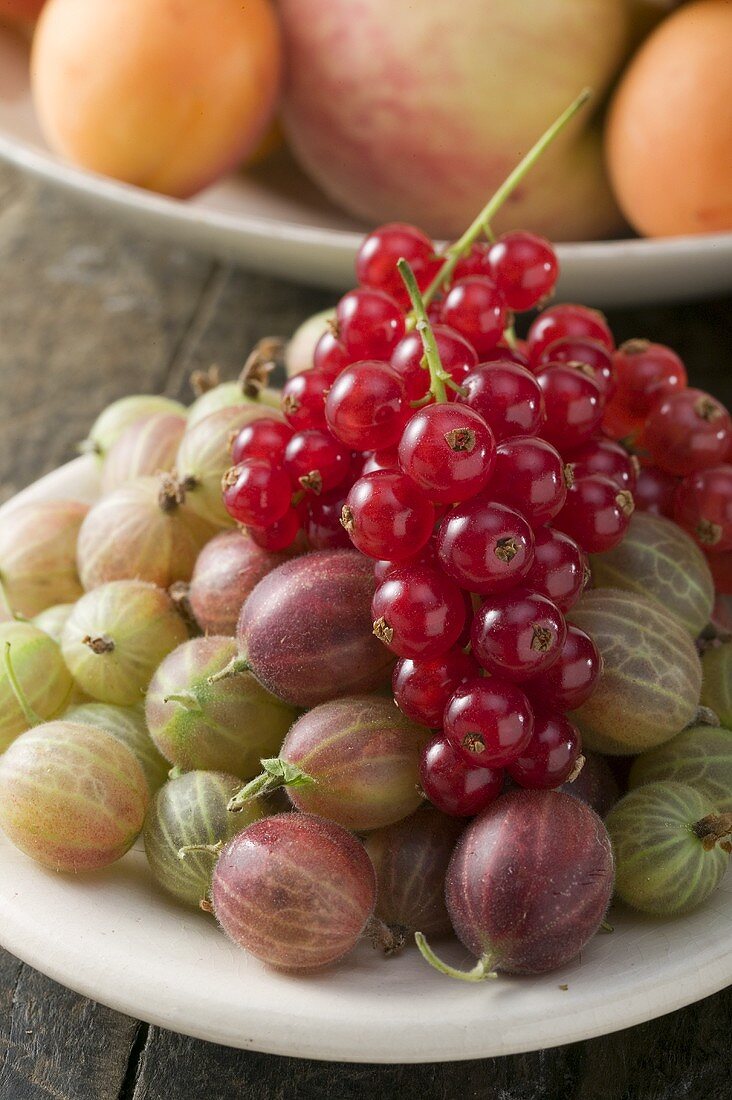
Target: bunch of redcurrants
472, 467
683, 437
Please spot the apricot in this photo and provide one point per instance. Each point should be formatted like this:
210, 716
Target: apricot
669, 131
165, 94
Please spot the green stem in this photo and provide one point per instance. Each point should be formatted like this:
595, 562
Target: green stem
277, 773
31, 716
489, 211
424, 328
509, 336
186, 699
483, 969
235, 667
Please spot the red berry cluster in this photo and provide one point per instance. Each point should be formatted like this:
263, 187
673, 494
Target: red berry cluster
683, 437
477, 478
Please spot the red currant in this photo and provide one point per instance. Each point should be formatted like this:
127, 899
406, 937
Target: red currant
448, 450
330, 356
504, 353
388, 459
507, 396
655, 491
365, 407
588, 356
688, 431
316, 461
573, 406
322, 523
560, 568
376, 260
256, 493
387, 516
370, 324
303, 400
530, 476
278, 536
646, 373
517, 634
550, 756
604, 456
562, 321
418, 612
488, 721
454, 787
422, 687
265, 438
525, 269
596, 513
457, 357
426, 556
476, 262
703, 507
572, 678
485, 546
474, 307
721, 567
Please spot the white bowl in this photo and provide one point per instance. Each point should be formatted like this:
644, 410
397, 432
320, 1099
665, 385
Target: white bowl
115, 937
274, 220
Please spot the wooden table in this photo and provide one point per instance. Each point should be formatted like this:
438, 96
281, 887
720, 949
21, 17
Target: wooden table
88, 312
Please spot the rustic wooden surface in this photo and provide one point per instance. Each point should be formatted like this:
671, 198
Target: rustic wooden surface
88, 312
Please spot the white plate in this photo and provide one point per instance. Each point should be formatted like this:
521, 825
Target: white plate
116, 938
274, 220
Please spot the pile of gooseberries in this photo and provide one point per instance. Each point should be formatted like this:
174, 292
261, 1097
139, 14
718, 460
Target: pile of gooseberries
432, 513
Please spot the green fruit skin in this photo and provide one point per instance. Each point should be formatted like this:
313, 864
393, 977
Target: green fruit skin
192, 810
128, 725
204, 456
227, 726
226, 395
716, 690
53, 620
141, 621
651, 680
658, 560
700, 757
661, 867
121, 414
38, 555
44, 678
72, 797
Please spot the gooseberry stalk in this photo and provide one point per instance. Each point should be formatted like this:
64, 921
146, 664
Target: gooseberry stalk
483, 969
276, 773
481, 225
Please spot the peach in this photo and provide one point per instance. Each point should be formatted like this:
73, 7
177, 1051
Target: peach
418, 111
669, 131
165, 94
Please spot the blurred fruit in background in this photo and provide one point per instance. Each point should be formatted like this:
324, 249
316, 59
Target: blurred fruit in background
20, 11
417, 112
669, 132
165, 94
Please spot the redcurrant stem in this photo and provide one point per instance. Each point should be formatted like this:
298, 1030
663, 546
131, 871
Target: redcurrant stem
31, 717
509, 336
484, 968
432, 355
489, 211
277, 773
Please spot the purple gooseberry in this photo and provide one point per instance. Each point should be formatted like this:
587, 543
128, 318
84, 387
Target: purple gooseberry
411, 859
528, 885
595, 784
